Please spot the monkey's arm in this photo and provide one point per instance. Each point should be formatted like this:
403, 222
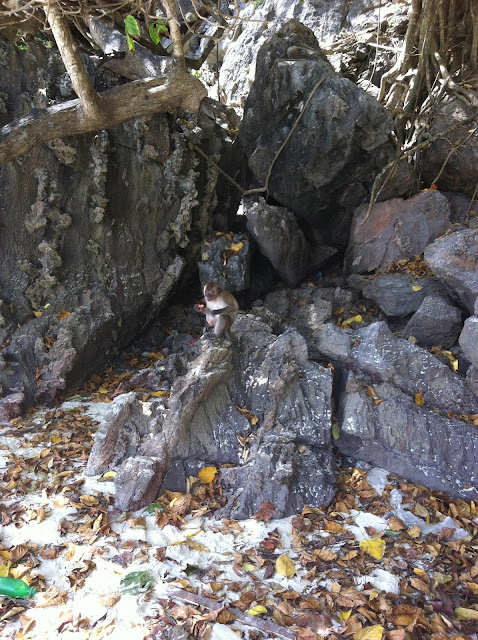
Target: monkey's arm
220, 312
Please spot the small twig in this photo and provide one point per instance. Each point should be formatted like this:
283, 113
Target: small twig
252, 621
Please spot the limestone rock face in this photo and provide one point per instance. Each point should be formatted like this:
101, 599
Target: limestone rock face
100, 235
339, 144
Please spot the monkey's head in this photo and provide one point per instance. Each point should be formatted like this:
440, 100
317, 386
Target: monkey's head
211, 290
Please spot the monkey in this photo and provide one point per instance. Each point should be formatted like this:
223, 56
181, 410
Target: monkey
221, 310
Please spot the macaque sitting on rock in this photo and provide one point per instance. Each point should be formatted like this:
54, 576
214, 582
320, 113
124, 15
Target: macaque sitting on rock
220, 311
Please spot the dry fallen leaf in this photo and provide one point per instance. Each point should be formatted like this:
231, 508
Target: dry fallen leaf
285, 566
369, 633
419, 398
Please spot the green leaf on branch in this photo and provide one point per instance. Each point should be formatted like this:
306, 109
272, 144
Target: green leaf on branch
131, 28
157, 29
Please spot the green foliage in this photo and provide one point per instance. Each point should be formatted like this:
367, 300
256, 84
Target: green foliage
152, 508
131, 28
136, 582
335, 431
157, 29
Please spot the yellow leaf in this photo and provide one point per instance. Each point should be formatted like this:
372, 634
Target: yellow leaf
38, 314
254, 420
369, 633
247, 566
345, 615
285, 566
301, 448
197, 546
417, 287
207, 474
158, 394
109, 474
349, 321
237, 247
55, 439
102, 390
466, 614
257, 610
374, 547
419, 399
4, 569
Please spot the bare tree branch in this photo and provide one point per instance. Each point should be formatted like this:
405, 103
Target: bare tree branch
72, 61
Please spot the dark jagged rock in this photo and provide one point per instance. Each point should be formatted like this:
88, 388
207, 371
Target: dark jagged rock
399, 294
455, 259
305, 309
290, 395
235, 274
279, 237
325, 169
409, 440
395, 229
436, 322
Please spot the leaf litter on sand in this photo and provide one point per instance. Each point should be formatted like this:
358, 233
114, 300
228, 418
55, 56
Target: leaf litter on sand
398, 563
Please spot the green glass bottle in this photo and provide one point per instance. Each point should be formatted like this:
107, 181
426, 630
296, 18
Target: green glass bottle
16, 588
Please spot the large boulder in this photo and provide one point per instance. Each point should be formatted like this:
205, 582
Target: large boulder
455, 259
400, 294
320, 138
259, 21
395, 229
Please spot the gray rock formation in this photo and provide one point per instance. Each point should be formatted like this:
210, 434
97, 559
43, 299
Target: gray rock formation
379, 356
436, 322
395, 229
327, 163
279, 237
261, 20
290, 395
399, 294
412, 441
455, 259
230, 268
